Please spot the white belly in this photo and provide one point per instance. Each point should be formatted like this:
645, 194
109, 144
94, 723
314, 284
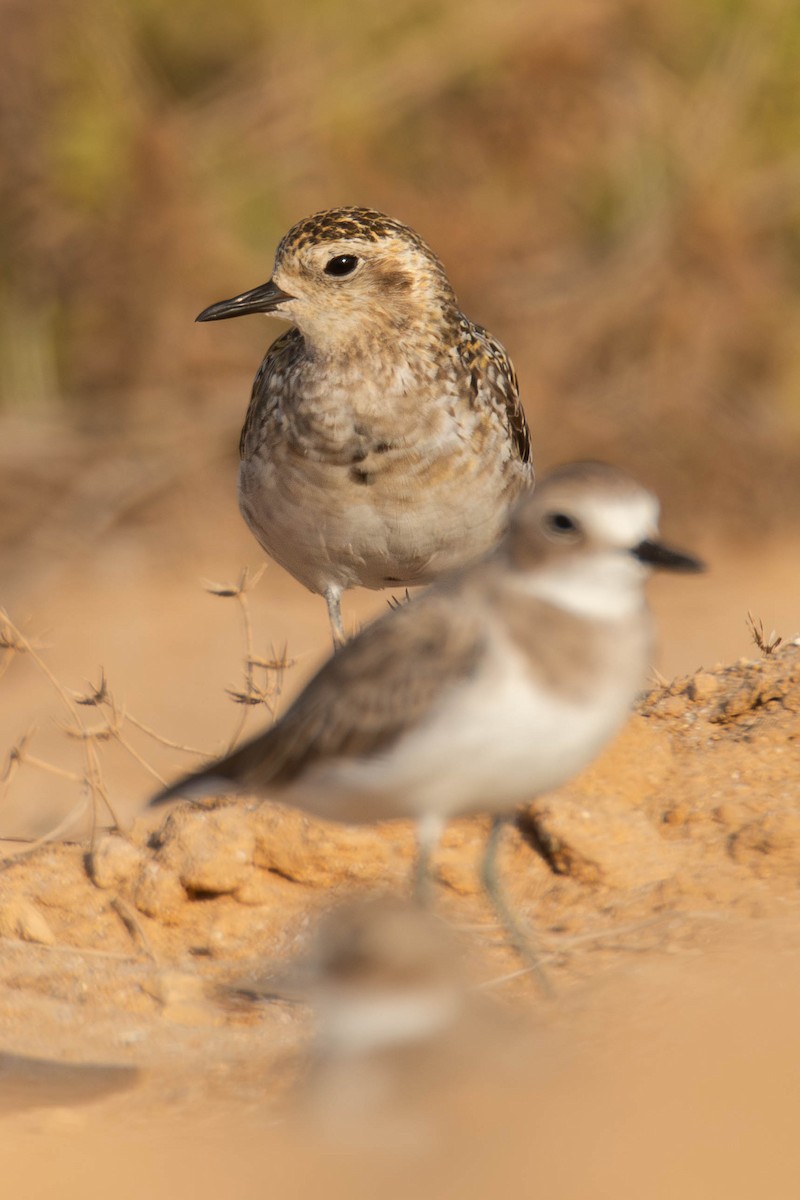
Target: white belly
408, 526
496, 742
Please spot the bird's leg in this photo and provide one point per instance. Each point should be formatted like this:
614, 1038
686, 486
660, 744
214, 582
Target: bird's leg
521, 938
429, 830
333, 598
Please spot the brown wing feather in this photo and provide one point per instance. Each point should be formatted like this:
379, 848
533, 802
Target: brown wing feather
381, 684
267, 385
494, 380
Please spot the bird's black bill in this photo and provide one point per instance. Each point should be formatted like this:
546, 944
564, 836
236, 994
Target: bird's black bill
656, 554
264, 299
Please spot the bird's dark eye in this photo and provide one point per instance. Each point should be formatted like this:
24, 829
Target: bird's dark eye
342, 264
562, 526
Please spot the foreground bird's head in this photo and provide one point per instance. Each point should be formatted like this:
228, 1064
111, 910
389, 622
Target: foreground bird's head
588, 539
350, 275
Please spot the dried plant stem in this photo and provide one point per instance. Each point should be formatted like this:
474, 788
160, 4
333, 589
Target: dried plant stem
100, 696
767, 645
133, 925
143, 763
16, 641
112, 726
244, 608
32, 761
252, 694
157, 737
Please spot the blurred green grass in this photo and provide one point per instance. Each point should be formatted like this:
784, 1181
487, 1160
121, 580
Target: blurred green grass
613, 186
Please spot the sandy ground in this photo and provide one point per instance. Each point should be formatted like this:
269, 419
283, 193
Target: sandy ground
662, 887
156, 1037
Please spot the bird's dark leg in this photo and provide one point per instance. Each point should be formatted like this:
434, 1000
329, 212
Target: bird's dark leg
521, 938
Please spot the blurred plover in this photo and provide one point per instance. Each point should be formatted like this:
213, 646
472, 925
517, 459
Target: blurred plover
497, 683
385, 442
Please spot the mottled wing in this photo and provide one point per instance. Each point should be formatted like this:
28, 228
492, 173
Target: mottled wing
382, 684
267, 387
494, 382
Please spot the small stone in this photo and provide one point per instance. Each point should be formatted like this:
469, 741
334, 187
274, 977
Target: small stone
210, 852
115, 861
158, 893
21, 919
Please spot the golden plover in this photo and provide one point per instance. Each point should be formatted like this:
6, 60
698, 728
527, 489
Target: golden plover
385, 443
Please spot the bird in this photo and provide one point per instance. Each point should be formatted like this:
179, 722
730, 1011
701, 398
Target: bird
496, 684
385, 443
395, 1023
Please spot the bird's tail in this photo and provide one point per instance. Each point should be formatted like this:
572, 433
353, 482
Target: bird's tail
213, 780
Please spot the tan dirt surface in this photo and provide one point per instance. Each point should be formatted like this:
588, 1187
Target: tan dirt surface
663, 889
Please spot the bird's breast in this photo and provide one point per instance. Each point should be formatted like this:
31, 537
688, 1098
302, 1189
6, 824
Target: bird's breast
353, 484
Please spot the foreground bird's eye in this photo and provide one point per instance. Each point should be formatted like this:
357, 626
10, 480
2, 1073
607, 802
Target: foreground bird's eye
560, 525
342, 264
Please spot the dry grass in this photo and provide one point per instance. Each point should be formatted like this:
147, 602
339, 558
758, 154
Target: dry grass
766, 643
261, 686
266, 691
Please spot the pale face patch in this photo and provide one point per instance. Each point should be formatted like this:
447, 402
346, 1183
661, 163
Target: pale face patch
622, 521
602, 585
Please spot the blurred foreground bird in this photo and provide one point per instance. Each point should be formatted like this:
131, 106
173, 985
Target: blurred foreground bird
395, 1023
385, 442
399, 1025
496, 684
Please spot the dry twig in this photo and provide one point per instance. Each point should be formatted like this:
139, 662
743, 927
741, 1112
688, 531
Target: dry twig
98, 696
12, 638
767, 645
253, 693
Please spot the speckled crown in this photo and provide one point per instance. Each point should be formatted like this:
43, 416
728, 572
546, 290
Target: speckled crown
335, 224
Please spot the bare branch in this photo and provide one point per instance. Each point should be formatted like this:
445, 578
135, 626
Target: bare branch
163, 740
